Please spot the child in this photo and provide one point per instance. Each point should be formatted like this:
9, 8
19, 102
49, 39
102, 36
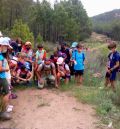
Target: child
112, 66
63, 71
23, 70
79, 58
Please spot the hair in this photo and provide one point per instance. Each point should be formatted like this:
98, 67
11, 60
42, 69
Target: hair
79, 46
112, 45
22, 55
39, 46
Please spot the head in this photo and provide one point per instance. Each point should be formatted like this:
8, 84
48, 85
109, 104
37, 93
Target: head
28, 45
63, 45
79, 47
4, 44
60, 61
47, 61
40, 47
22, 56
19, 42
55, 54
74, 45
112, 47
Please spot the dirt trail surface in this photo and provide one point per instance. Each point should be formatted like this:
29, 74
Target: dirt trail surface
49, 109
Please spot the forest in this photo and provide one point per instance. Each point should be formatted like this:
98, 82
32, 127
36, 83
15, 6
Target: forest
66, 20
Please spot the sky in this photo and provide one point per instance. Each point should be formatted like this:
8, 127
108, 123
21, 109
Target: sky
95, 7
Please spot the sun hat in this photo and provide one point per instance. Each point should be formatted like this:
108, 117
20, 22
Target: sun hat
74, 44
5, 41
60, 60
28, 43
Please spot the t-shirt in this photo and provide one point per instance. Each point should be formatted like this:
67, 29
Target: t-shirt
46, 69
2, 74
112, 59
79, 58
40, 55
29, 52
64, 67
23, 73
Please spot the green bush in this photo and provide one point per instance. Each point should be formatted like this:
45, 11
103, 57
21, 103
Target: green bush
22, 30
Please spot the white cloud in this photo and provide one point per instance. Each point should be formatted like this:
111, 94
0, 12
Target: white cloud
94, 7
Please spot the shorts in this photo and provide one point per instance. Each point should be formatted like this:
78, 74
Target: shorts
4, 86
66, 77
79, 72
49, 77
111, 76
23, 76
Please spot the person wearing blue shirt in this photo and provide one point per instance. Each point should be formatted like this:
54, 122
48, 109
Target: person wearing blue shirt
78, 57
4, 89
112, 65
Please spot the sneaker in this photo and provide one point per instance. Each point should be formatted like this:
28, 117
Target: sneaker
5, 116
9, 108
40, 86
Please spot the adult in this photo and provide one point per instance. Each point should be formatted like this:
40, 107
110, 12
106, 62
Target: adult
47, 73
19, 43
27, 48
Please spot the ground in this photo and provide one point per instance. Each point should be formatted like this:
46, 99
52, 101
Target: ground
50, 109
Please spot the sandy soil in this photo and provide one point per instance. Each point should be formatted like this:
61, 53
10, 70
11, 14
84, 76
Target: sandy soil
49, 109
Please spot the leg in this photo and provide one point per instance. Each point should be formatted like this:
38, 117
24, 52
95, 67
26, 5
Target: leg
112, 85
107, 81
81, 79
58, 78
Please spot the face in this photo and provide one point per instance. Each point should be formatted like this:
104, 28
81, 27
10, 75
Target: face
4, 48
40, 49
28, 47
47, 62
112, 50
79, 49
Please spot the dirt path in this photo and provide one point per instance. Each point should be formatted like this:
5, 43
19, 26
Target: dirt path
49, 109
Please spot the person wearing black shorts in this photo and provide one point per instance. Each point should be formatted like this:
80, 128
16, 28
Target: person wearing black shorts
78, 57
112, 66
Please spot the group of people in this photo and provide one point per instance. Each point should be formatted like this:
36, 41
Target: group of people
19, 63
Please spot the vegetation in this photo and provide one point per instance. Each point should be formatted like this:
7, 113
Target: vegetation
22, 30
105, 101
66, 19
108, 24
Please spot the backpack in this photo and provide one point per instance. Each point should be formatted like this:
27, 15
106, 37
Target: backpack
43, 67
119, 62
72, 71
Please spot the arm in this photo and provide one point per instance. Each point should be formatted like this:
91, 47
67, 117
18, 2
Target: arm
116, 66
18, 76
3, 69
30, 76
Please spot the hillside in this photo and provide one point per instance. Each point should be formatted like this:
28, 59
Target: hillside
107, 17
108, 24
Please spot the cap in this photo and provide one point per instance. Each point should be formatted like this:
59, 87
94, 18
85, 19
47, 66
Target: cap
74, 44
60, 60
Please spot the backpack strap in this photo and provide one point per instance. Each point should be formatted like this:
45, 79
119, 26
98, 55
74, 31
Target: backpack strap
83, 55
